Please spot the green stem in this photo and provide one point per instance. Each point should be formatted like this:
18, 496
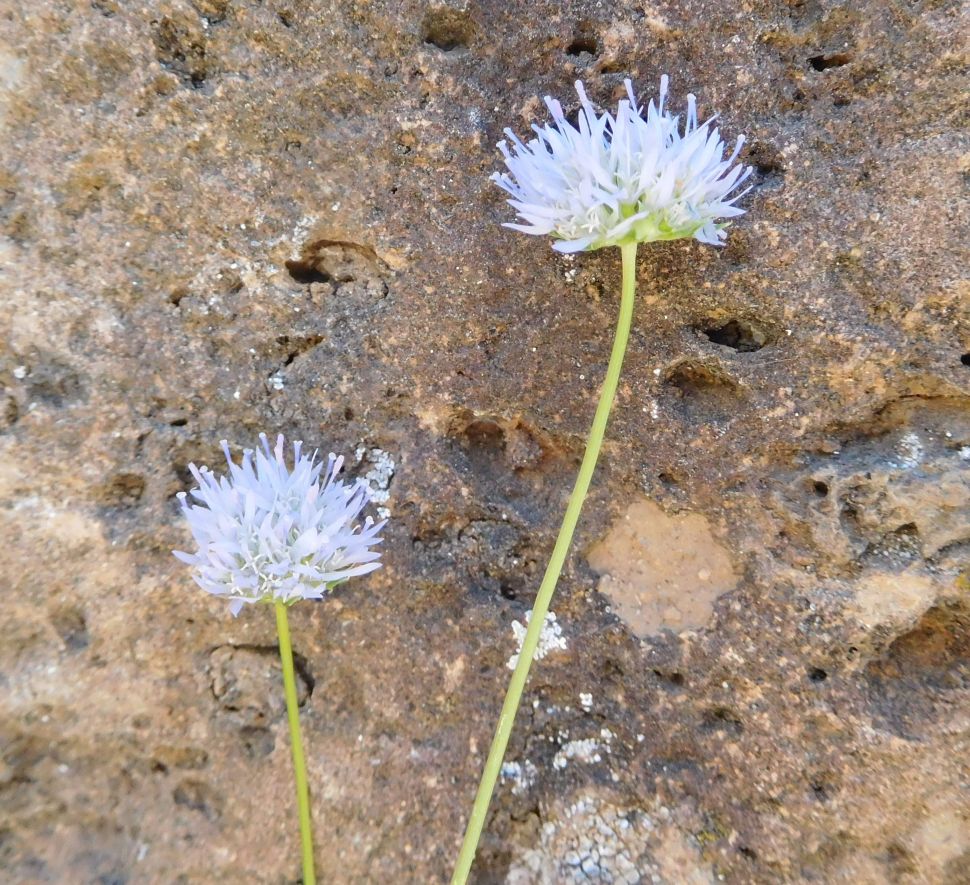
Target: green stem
299, 765
513, 696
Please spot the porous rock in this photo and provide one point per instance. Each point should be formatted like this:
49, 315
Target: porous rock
230, 216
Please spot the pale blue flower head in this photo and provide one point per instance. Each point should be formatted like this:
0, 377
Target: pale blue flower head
268, 533
613, 180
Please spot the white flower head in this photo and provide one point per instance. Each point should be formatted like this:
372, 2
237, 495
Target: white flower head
622, 179
267, 533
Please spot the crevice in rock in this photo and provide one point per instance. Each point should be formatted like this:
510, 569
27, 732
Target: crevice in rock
825, 61
297, 345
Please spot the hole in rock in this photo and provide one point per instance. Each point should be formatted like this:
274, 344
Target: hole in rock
817, 674
619, 66
672, 679
180, 46
9, 412
241, 677
199, 796
722, 719
297, 346
692, 378
486, 435
55, 383
612, 669
447, 29
901, 545
257, 741
737, 335
912, 685
338, 262
820, 488
306, 272
704, 391
902, 860
965, 359
72, 627
123, 490
572, 117
196, 452
829, 60
585, 41
766, 159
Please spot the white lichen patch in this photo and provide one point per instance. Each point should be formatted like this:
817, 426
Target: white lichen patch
593, 840
301, 230
586, 700
550, 638
521, 774
588, 750
910, 450
380, 472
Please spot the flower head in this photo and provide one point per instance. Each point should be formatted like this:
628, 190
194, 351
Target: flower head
267, 533
623, 179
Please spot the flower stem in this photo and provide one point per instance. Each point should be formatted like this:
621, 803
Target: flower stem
513, 696
299, 765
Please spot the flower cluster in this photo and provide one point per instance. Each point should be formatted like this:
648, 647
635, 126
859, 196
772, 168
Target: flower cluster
266, 533
623, 179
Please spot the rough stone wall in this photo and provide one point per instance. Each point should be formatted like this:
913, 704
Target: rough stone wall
226, 216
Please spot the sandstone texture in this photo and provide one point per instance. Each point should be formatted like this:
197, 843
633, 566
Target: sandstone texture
219, 217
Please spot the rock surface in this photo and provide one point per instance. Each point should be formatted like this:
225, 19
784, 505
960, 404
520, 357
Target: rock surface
661, 572
226, 216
